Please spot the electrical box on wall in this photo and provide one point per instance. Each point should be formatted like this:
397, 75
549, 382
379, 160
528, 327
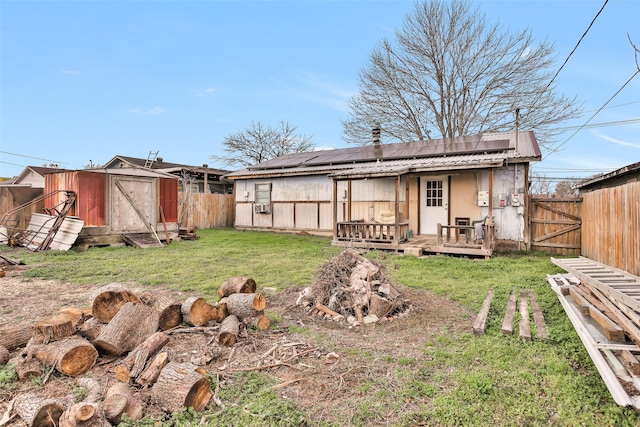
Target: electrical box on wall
515, 199
483, 198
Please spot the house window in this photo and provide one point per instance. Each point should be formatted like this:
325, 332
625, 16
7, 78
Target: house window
263, 194
433, 194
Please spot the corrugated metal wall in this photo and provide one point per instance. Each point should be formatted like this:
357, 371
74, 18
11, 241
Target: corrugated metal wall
90, 191
169, 199
611, 226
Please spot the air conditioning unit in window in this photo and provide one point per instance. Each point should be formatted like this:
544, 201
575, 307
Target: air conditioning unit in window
261, 208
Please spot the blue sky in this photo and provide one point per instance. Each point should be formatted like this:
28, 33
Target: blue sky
82, 81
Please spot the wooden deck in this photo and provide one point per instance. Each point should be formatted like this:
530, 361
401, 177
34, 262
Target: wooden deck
453, 240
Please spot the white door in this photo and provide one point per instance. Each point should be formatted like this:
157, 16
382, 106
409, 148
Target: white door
434, 203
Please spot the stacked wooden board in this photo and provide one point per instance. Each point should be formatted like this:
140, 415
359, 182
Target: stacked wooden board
603, 304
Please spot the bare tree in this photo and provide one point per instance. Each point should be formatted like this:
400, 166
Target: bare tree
451, 73
258, 143
567, 187
540, 184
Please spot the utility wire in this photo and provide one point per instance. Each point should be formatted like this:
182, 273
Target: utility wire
29, 157
594, 114
574, 49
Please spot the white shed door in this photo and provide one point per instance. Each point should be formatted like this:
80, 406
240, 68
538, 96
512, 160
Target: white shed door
434, 203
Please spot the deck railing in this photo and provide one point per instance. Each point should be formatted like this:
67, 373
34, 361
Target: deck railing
372, 232
466, 235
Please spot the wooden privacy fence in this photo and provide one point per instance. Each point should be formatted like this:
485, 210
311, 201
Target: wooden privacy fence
611, 227
555, 224
202, 210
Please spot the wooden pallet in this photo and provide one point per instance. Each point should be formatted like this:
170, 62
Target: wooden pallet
142, 240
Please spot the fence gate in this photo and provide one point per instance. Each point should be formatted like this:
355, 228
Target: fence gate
555, 224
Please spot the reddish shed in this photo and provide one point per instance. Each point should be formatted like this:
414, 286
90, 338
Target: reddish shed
114, 202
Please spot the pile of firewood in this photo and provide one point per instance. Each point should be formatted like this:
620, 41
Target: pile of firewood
353, 289
130, 331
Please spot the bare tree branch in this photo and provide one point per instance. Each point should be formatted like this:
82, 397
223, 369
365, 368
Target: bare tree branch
258, 143
450, 73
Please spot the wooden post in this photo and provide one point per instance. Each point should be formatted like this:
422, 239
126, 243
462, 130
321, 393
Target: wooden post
335, 210
396, 229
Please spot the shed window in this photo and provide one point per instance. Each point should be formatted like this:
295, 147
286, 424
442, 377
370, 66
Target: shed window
263, 194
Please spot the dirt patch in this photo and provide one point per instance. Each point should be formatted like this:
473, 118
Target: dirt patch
333, 359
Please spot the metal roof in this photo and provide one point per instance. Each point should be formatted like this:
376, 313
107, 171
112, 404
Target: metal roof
166, 166
626, 170
489, 150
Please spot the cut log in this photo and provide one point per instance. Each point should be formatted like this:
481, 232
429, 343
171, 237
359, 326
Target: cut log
90, 329
169, 309
219, 312
132, 365
119, 401
196, 311
229, 330
83, 414
134, 323
260, 322
28, 368
12, 338
150, 375
179, 386
480, 323
245, 305
108, 300
507, 322
36, 411
94, 389
379, 306
234, 285
71, 356
525, 327
77, 315
55, 327
4, 355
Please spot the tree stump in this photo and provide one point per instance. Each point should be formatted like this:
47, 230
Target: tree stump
151, 373
196, 311
4, 355
179, 385
169, 309
13, 338
108, 300
39, 412
133, 324
245, 305
235, 285
55, 327
77, 315
229, 330
132, 365
71, 356
119, 401
83, 414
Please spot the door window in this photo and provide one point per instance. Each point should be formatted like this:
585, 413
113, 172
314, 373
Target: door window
433, 195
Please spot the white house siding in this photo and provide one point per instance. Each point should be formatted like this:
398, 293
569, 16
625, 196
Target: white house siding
32, 179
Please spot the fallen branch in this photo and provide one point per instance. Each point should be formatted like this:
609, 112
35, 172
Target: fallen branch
284, 384
275, 365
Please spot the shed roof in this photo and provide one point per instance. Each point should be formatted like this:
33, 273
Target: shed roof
469, 152
162, 165
631, 169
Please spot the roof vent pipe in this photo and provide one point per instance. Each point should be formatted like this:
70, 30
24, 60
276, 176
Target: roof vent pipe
375, 133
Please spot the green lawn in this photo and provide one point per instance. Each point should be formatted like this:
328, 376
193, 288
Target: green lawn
462, 380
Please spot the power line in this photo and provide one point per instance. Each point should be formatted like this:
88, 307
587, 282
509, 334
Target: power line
597, 125
30, 157
594, 114
12, 164
574, 49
